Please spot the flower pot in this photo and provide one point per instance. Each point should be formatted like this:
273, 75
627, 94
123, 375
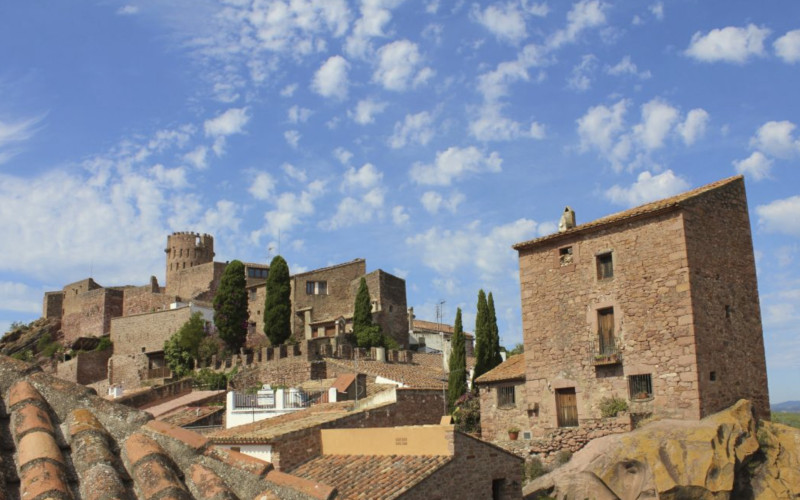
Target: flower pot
513, 435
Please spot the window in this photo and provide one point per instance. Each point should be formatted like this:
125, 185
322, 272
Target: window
316, 288
640, 387
506, 396
565, 256
254, 272
605, 266
253, 294
605, 331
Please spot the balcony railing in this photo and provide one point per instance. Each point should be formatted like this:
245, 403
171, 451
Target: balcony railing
604, 352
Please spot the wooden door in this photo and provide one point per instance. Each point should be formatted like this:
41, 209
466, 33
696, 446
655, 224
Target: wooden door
605, 331
567, 407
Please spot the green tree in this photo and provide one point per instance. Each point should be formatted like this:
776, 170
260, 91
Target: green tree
483, 341
367, 334
181, 349
496, 359
457, 380
230, 306
518, 349
278, 304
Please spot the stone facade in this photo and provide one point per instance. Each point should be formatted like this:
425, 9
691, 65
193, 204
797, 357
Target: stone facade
53, 305
85, 368
88, 309
657, 305
145, 299
197, 282
388, 293
186, 250
498, 415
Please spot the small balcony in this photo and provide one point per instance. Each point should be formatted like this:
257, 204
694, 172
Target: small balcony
605, 353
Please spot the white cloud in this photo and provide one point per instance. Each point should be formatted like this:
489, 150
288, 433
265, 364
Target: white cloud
433, 201
756, 165
581, 77
599, 127
491, 125
19, 297
330, 80
730, 44
127, 10
657, 9
584, 14
15, 132
780, 216
416, 128
399, 66
627, 67
776, 138
787, 47
454, 164
298, 114
262, 187
292, 138
342, 155
290, 210
295, 173
366, 177
289, 90
365, 111
658, 118
399, 216
375, 15
352, 211
489, 252
648, 187
197, 157
229, 122
694, 127
504, 21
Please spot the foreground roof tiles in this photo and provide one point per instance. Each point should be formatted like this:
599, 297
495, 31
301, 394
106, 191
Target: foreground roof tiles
58, 440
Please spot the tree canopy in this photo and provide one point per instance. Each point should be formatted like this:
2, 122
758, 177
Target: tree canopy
230, 306
495, 334
367, 334
484, 343
278, 304
181, 349
457, 380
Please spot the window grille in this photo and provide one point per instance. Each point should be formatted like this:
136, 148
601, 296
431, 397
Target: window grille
640, 386
506, 396
605, 266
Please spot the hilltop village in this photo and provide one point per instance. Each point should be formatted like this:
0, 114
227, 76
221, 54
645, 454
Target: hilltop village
647, 314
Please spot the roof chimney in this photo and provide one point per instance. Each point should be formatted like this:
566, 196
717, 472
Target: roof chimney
567, 220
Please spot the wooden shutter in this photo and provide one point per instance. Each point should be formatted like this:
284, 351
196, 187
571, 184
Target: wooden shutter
605, 330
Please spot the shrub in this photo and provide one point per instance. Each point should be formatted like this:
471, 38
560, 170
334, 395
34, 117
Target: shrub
25, 355
610, 407
467, 414
534, 468
211, 380
50, 349
563, 457
104, 344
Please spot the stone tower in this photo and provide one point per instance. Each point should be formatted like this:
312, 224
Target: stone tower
185, 250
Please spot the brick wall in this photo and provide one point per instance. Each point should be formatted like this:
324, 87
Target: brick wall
649, 293
727, 316
497, 420
471, 473
342, 283
392, 315
85, 368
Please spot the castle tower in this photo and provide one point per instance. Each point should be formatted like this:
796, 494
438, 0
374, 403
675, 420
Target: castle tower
185, 250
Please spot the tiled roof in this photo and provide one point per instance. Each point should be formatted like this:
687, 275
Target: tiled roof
642, 210
188, 415
435, 360
511, 369
59, 440
344, 381
432, 326
263, 431
370, 476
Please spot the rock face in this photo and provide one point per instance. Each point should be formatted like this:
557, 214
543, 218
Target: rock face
728, 455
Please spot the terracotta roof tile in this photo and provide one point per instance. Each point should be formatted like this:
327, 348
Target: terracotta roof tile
208, 485
512, 369
59, 440
649, 208
432, 326
370, 476
344, 381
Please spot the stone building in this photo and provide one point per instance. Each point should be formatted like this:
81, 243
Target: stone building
433, 337
657, 305
504, 405
323, 301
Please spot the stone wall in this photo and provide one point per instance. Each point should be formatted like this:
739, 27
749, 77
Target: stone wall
342, 283
727, 316
186, 251
126, 370
53, 305
146, 332
145, 299
471, 473
391, 313
497, 420
85, 368
573, 439
89, 313
156, 395
256, 296
649, 294
198, 282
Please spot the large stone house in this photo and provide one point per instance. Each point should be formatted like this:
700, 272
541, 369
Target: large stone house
657, 305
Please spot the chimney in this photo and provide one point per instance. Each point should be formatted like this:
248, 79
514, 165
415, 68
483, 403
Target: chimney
567, 220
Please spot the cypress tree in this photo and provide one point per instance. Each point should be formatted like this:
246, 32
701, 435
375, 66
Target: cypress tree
230, 306
366, 333
483, 342
457, 380
496, 359
278, 304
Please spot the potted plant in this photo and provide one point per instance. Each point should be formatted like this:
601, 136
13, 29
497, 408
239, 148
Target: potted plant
513, 433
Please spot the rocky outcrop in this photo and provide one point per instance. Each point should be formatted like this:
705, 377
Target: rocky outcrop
726, 455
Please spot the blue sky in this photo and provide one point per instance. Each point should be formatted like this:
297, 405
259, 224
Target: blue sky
425, 136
